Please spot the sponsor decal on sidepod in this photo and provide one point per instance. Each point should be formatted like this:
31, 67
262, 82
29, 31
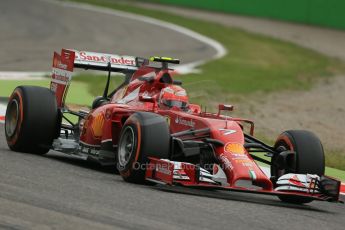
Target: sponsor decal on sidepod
182, 121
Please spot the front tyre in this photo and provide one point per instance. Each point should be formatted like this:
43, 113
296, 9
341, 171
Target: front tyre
31, 120
143, 135
308, 158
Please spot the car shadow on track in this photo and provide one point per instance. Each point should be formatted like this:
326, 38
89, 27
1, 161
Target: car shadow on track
82, 163
237, 196
216, 194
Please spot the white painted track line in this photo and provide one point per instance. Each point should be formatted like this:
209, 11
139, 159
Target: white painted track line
221, 51
13, 75
2, 113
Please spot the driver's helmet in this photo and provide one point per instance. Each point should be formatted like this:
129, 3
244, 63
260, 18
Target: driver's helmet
173, 96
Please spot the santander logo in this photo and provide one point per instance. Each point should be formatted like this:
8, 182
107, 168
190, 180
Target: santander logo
104, 58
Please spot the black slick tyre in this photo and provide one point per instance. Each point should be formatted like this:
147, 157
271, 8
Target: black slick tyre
143, 135
31, 121
309, 157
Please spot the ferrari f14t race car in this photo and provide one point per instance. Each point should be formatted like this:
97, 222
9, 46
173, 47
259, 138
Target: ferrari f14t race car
148, 128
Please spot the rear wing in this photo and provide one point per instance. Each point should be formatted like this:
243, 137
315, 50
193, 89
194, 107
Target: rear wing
64, 64
106, 62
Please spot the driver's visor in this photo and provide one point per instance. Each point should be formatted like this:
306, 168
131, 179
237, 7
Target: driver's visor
174, 103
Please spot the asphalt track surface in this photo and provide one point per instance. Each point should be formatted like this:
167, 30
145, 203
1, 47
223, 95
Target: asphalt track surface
31, 30
60, 192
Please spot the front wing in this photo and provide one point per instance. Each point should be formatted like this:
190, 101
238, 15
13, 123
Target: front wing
164, 172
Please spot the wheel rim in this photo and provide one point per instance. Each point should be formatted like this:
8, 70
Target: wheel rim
127, 146
12, 117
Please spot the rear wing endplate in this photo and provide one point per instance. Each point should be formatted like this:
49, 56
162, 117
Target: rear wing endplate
62, 74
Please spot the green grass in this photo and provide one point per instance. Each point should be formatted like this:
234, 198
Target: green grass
76, 94
335, 159
96, 83
254, 62
7, 86
336, 173
82, 91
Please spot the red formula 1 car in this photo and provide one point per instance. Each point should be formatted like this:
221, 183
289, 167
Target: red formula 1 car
148, 128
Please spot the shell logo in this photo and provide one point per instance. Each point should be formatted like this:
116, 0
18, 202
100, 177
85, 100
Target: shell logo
234, 148
97, 125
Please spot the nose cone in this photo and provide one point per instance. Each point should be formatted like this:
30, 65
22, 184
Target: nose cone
234, 159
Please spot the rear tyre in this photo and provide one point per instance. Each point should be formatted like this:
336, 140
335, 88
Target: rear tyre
31, 121
143, 135
309, 157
